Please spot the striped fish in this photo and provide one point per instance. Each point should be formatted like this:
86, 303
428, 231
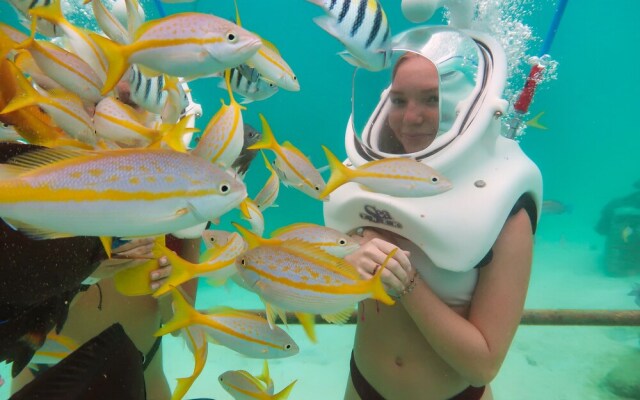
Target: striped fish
243, 332
44, 27
398, 176
196, 339
108, 22
362, 27
250, 85
147, 93
55, 193
273, 68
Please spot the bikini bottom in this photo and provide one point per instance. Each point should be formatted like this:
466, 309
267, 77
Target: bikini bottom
368, 392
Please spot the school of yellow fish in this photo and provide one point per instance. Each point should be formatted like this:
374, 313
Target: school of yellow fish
110, 110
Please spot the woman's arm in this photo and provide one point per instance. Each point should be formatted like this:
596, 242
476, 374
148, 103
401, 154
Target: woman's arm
477, 346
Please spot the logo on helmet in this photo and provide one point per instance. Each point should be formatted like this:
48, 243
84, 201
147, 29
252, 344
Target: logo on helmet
378, 216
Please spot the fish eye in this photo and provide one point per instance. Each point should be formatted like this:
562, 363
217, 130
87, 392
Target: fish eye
295, 78
213, 240
434, 179
342, 242
224, 188
287, 347
5, 125
243, 262
232, 37
317, 189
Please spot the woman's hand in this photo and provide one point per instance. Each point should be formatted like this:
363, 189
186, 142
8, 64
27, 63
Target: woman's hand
131, 254
375, 246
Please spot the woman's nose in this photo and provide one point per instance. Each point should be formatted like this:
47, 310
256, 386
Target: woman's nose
413, 114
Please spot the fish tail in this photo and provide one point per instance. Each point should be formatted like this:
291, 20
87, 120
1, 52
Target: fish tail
378, 292
117, 57
284, 393
172, 134
181, 269
182, 314
339, 173
51, 12
135, 281
267, 141
26, 96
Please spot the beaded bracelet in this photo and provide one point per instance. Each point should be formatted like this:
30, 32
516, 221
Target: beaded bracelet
409, 288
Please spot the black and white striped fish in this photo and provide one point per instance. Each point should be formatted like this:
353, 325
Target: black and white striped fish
247, 82
148, 93
362, 27
44, 27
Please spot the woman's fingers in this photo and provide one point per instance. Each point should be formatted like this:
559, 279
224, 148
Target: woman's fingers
160, 275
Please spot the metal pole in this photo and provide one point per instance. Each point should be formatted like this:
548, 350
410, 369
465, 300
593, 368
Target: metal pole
559, 317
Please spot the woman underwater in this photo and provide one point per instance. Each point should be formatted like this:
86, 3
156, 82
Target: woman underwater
461, 280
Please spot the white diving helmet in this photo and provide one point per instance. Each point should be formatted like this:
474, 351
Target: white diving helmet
489, 172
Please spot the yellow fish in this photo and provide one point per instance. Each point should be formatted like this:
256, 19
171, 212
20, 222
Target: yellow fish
398, 176
243, 386
293, 275
240, 331
77, 39
55, 193
66, 68
108, 22
267, 196
30, 122
252, 213
218, 264
196, 339
293, 167
328, 239
222, 139
64, 107
188, 45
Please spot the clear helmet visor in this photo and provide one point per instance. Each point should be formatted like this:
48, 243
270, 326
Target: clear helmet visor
411, 107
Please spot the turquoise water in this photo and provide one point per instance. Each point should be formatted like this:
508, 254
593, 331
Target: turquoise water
588, 156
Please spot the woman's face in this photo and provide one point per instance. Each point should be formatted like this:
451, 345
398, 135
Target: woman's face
413, 116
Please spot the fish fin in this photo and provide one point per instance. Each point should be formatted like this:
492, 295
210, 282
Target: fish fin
43, 157
378, 292
284, 393
117, 56
264, 376
535, 122
339, 317
106, 243
290, 228
272, 312
348, 57
328, 24
8, 171
267, 141
135, 281
35, 232
183, 313
339, 173
308, 322
172, 134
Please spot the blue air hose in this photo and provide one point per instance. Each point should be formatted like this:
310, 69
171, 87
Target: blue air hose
160, 8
